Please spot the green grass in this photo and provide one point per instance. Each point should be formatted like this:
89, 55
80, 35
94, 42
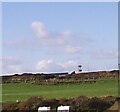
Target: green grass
22, 91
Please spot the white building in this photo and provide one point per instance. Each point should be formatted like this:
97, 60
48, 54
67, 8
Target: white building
44, 109
63, 109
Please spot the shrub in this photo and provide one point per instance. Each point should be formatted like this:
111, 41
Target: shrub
63, 101
53, 103
23, 106
33, 102
81, 103
97, 104
9, 106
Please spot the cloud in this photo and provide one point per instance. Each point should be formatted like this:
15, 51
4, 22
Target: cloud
72, 49
12, 69
43, 64
48, 38
51, 66
39, 29
10, 60
12, 65
17, 44
60, 41
70, 65
102, 54
64, 41
63, 37
48, 66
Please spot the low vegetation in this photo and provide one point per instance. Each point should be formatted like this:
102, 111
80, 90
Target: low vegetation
84, 92
22, 91
78, 104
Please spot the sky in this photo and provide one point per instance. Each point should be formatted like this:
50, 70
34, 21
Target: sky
1, 39
56, 37
60, 0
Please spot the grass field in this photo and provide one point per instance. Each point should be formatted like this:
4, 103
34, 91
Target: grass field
22, 91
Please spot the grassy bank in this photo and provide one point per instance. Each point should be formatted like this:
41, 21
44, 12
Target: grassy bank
22, 91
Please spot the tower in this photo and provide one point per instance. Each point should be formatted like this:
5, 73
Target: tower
79, 68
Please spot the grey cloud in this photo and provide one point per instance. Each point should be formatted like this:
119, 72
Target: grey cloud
11, 65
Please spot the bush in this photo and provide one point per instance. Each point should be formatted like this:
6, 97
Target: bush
33, 102
97, 104
23, 106
81, 103
9, 106
110, 99
78, 104
63, 101
53, 103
